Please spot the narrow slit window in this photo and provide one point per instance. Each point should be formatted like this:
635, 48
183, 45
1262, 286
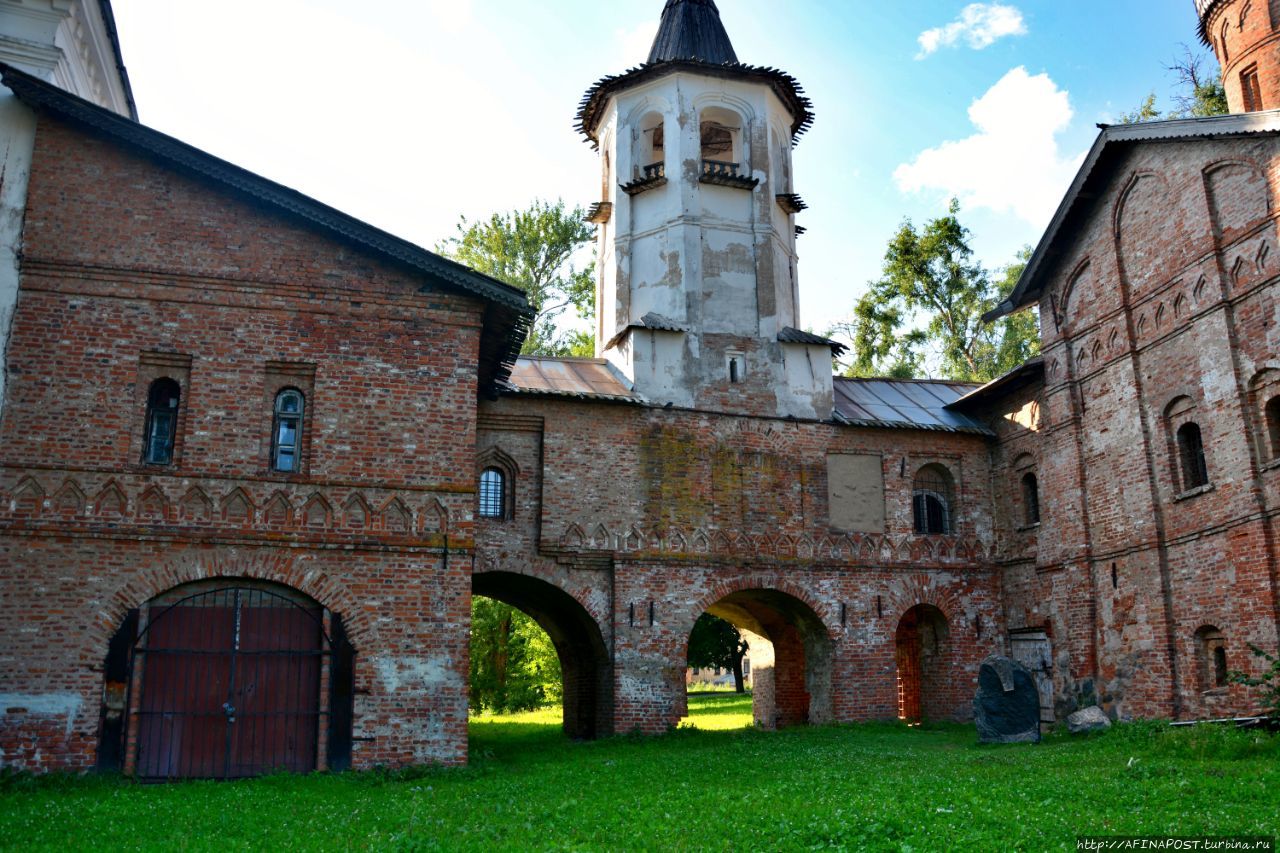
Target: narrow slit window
493, 494
1030, 499
1195, 471
286, 433
1250, 89
163, 400
1272, 412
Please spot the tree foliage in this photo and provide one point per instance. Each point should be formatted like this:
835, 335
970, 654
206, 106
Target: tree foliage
1199, 92
1269, 681
924, 315
715, 643
514, 665
534, 249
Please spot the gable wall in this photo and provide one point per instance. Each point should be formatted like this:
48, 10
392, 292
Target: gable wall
1167, 291
132, 271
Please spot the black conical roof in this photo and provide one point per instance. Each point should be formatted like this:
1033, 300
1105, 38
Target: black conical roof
691, 29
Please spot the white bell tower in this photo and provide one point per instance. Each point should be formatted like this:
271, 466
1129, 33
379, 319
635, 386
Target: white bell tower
697, 298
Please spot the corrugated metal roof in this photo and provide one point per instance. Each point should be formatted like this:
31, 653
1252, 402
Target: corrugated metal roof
581, 378
904, 403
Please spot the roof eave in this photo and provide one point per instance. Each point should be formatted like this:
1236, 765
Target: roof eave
1030, 285
507, 316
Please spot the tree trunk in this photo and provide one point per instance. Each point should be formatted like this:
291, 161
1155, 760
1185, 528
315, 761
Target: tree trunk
738, 682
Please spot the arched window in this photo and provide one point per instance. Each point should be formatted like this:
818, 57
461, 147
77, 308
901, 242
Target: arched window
720, 138
1030, 499
1272, 414
1211, 658
286, 432
162, 422
1195, 473
931, 502
493, 493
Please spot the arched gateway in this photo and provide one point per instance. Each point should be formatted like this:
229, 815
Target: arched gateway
584, 658
225, 679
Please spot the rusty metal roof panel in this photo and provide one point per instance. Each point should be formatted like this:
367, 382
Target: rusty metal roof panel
581, 378
904, 404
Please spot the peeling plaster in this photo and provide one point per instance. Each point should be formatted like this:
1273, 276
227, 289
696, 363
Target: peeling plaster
44, 704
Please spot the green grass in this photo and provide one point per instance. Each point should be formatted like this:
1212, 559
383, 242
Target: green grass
878, 787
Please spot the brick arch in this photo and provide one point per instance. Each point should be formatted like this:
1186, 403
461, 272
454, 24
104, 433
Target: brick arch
920, 589
278, 569
1239, 196
485, 564
762, 583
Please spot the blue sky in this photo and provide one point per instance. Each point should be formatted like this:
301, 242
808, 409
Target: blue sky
407, 113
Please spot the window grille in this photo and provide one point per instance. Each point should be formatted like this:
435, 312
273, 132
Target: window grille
162, 422
493, 497
932, 500
286, 433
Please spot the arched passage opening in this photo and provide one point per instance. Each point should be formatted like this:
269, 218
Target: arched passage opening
790, 653
224, 679
921, 644
579, 644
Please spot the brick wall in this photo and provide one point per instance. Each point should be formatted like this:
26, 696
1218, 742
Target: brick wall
132, 271
1155, 317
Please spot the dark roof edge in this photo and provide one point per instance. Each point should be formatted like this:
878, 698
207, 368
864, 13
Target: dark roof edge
790, 335
1029, 371
37, 93
109, 21
1204, 11
508, 313
1029, 286
785, 86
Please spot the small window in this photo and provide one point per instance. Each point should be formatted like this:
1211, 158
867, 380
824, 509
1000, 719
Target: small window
1195, 473
162, 422
1250, 90
931, 503
1272, 413
286, 433
1030, 499
493, 493
1211, 654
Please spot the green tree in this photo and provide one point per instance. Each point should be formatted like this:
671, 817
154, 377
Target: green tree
534, 249
713, 642
514, 665
925, 312
1269, 681
1199, 93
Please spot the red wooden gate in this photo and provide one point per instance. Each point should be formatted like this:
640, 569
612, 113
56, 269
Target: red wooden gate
230, 686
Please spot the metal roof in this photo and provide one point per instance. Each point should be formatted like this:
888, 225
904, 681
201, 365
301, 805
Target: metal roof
905, 404
506, 317
691, 29
1031, 370
789, 335
1204, 8
579, 378
1091, 181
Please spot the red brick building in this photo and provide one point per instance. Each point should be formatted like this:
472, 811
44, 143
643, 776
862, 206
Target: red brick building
256, 456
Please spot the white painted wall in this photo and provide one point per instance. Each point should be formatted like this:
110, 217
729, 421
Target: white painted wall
64, 42
720, 260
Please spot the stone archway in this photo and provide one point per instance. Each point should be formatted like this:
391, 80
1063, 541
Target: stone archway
921, 649
579, 643
790, 655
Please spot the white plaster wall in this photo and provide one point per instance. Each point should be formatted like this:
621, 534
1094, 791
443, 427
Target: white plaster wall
66, 43
721, 260
17, 140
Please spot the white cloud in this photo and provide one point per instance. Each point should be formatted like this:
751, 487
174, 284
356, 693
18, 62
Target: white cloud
1012, 164
633, 44
979, 25
453, 16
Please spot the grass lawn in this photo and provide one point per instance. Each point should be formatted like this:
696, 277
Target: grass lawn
878, 787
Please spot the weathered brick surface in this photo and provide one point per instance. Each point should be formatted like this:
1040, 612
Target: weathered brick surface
650, 517
1165, 296
1245, 34
147, 269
